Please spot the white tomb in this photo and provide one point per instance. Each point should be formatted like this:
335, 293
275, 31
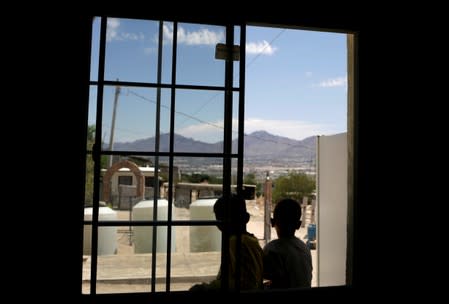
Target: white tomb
107, 236
204, 238
143, 235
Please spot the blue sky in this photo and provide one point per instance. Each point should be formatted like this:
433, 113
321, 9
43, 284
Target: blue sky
295, 81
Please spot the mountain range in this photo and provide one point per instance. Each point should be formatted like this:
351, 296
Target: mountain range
258, 146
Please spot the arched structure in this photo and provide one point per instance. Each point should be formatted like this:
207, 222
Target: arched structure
114, 168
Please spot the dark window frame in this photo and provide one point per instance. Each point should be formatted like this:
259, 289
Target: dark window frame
226, 155
125, 180
352, 130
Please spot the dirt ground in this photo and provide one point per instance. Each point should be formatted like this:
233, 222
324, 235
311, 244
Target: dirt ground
125, 247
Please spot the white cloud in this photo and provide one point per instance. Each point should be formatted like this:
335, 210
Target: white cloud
293, 129
308, 74
204, 132
263, 48
200, 37
113, 32
207, 37
333, 82
132, 36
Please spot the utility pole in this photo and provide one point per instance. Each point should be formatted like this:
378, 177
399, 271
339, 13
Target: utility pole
267, 204
114, 110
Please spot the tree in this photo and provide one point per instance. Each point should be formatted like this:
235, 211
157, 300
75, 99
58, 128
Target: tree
89, 186
294, 185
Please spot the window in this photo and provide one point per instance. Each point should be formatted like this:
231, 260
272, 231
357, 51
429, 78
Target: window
125, 180
158, 93
150, 90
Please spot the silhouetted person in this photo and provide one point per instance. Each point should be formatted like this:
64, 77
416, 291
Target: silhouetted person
251, 254
287, 260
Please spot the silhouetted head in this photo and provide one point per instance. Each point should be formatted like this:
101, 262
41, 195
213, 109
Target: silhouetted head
286, 217
238, 216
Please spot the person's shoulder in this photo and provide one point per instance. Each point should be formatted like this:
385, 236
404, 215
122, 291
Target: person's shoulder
250, 241
245, 238
301, 245
271, 244
249, 235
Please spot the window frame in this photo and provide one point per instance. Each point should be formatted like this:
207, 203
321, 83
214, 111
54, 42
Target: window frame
226, 155
353, 118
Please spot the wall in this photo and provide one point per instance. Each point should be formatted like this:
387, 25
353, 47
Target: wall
70, 55
332, 203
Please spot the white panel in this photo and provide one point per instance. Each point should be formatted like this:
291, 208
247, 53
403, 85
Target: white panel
107, 236
204, 238
332, 199
143, 236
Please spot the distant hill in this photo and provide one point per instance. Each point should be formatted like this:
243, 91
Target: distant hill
182, 143
259, 145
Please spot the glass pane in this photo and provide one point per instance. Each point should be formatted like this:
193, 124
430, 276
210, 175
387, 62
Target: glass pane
199, 121
129, 118
135, 119
89, 186
119, 268
92, 116
125, 252
199, 260
143, 235
167, 52
282, 122
95, 50
110, 253
129, 180
235, 122
234, 174
88, 198
164, 125
196, 178
237, 62
131, 50
196, 63
254, 205
197, 247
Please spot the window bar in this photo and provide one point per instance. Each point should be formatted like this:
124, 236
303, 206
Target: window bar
158, 118
240, 144
227, 150
152, 153
171, 149
241, 125
229, 85
156, 162
172, 142
96, 156
162, 85
88, 153
170, 159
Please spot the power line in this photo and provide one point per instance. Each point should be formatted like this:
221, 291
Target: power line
177, 112
269, 44
191, 116
247, 65
215, 125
